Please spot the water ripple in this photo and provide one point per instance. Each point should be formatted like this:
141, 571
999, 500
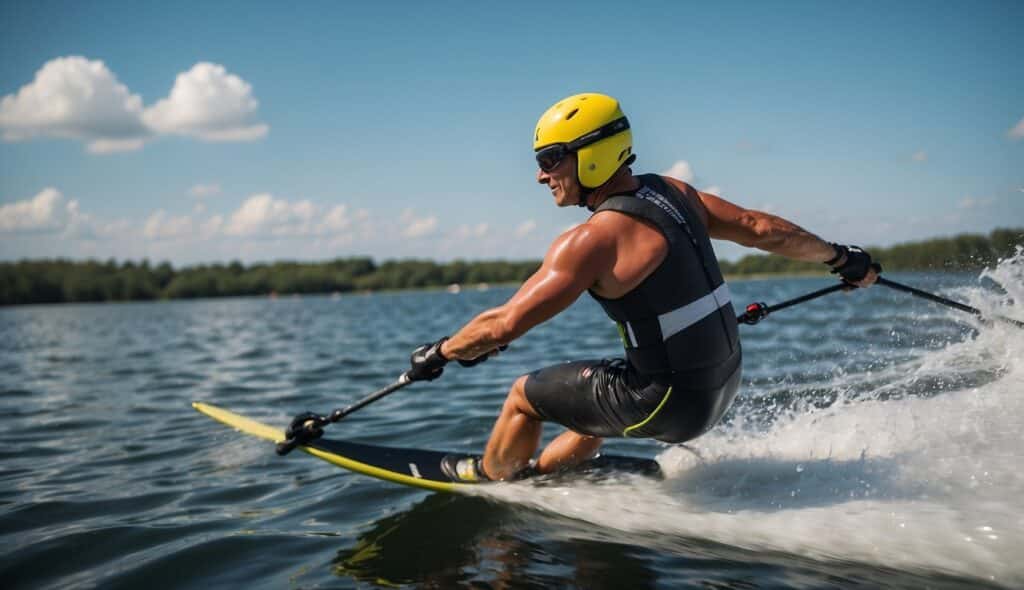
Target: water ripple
109, 479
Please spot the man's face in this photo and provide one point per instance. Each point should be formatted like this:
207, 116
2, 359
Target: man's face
562, 181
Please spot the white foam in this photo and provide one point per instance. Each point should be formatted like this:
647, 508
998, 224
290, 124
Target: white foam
922, 483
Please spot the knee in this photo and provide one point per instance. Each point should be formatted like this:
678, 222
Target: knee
516, 402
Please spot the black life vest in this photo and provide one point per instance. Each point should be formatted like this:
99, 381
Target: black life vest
679, 319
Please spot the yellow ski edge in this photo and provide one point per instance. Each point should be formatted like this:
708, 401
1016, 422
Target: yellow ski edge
239, 422
254, 428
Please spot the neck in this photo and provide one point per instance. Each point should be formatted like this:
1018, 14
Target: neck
621, 182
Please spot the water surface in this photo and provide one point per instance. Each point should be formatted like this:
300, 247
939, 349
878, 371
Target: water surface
876, 441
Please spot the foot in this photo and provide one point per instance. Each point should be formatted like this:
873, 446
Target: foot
464, 469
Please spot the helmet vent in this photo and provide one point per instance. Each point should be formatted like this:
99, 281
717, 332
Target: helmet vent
571, 114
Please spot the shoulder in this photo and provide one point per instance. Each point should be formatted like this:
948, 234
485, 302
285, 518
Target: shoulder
592, 233
592, 238
683, 187
695, 198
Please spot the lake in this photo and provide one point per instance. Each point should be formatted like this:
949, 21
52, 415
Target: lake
875, 442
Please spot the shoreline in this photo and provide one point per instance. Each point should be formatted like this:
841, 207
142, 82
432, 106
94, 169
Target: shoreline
472, 288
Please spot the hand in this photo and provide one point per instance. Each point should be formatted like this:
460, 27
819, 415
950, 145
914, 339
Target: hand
482, 357
427, 362
854, 265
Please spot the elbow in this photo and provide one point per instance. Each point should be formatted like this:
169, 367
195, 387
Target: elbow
757, 231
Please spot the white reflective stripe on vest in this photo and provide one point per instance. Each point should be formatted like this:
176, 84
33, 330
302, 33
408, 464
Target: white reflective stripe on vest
683, 317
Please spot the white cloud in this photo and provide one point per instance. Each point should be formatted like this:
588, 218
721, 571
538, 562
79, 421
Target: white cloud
45, 211
77, 98
204, 190
82, 226
112, 146
973, 203
335, 220
209, 103
417, 227
263, 215
211, 226
420, 228
49, 213
1018, 130
920, 156
161, 226
73, 97
525, 228
683, 171
680, 170
472, 231
263, 227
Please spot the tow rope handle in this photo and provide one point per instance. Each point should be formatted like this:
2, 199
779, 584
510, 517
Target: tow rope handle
307, 426
756, 312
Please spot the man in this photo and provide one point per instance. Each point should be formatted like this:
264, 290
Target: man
645, 256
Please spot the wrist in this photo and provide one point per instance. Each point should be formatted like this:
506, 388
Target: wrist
445, 355
840, 255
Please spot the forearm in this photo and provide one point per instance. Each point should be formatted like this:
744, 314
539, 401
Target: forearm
483, 334
757, 229
779, 236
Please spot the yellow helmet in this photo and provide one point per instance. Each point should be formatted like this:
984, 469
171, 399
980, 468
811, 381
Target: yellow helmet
593, 126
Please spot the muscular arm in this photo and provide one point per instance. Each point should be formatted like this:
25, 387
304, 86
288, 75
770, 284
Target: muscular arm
763, 231
756, 229
571, 266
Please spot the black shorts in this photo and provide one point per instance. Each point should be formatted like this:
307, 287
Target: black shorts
609, 398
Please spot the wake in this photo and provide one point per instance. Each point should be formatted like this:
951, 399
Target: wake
919, 477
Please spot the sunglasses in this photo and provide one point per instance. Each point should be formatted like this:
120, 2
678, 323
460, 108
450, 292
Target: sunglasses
549, 157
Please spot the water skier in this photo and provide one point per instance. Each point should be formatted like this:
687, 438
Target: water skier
645, 255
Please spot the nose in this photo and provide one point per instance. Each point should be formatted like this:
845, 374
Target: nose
542, 177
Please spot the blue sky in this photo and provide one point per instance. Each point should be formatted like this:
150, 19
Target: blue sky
258, 131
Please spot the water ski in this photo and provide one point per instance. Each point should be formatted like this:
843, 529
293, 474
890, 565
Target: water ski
412, 467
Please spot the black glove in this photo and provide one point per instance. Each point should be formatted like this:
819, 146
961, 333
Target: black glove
857, 263
427, 362
481, 358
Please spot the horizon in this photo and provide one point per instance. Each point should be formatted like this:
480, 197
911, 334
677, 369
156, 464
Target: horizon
204, 134
413, 258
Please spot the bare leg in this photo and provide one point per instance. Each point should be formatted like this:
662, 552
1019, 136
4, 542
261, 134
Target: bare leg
568, 449
515, 436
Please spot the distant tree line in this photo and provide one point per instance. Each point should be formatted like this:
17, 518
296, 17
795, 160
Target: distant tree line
963, 252
58, 281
